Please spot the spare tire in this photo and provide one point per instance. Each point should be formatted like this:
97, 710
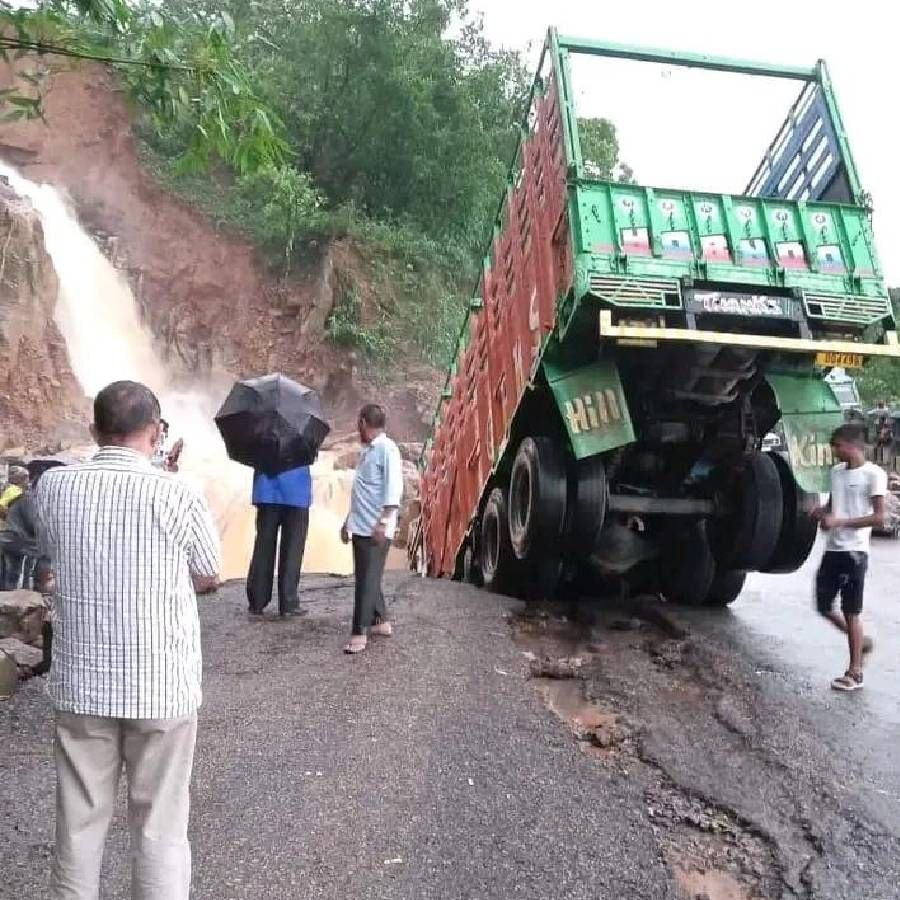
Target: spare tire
798, 528
537, 497
496, 559
687, 566
746, 538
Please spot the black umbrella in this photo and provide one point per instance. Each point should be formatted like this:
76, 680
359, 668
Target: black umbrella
272, 424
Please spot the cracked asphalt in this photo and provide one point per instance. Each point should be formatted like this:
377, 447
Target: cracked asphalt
431, 767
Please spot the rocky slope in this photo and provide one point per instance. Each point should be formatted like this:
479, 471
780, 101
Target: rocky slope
212, 305
39, 395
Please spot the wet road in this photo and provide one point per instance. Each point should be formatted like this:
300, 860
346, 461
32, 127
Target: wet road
694, 754
776, 611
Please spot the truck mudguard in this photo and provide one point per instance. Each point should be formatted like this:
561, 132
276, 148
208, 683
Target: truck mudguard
592, 405
809, 413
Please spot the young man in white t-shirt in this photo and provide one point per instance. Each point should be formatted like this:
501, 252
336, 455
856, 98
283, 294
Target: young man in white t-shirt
856, 505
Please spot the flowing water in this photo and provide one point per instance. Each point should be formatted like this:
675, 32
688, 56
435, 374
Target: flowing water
107, 341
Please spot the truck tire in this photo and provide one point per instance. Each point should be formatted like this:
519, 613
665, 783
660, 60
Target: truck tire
687, 567
746, 538
498, 563
591, 501
537, 497
471, 573
725, 588
798, 528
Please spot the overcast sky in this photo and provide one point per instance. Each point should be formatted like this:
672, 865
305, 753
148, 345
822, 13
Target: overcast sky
859, 41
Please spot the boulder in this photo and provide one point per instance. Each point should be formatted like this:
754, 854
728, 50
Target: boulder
22, 614
26, 658
9, 676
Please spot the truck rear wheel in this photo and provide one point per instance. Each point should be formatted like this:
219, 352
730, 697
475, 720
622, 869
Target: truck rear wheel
591, 502
687, 566
725, 588
498, 562
746, 538
537, 497
798, 528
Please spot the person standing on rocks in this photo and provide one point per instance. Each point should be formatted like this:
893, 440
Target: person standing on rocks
371, 525
282, 508
130, 547
856, 505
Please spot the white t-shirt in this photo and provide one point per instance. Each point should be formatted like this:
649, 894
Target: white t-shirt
852, 491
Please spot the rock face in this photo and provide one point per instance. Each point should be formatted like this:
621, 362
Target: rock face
38, 392
212, 304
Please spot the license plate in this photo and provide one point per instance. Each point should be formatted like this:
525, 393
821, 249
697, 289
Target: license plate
844, 360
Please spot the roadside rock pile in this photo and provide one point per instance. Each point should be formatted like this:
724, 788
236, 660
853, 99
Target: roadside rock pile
22, 617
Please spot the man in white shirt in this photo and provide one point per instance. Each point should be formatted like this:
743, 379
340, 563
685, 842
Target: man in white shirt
372, 523
129, 545
856, 505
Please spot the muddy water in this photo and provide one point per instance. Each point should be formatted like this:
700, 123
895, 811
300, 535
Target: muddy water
100, 321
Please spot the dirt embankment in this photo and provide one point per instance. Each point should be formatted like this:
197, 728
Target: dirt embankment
39, 395
211, 302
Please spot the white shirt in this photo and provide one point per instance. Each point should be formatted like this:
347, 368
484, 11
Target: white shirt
123, 539
378, 482
852, 491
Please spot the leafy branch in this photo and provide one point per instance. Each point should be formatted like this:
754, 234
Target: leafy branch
184, 73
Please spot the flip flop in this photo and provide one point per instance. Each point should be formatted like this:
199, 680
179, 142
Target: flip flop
848, 682
382, 629
356, 644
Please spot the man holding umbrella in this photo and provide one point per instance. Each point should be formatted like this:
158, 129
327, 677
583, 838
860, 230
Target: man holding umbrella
282, 507
276, 426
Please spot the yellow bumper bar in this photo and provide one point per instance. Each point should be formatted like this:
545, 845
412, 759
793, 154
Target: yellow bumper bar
646, 333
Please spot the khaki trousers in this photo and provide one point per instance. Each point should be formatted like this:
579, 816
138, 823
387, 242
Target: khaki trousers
158, 755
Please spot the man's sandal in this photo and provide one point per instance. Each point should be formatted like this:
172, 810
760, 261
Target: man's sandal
356, 644
382, 629
849, 681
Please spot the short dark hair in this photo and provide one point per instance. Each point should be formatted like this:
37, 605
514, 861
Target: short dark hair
373, 415
850, 433
124, 407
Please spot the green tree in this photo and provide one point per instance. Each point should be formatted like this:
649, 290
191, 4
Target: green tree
184, 73
600, 150
387, 112
880, 379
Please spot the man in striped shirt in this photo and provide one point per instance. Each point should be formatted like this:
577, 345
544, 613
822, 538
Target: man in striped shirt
129, 545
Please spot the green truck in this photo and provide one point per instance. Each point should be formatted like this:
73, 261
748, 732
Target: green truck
628, 348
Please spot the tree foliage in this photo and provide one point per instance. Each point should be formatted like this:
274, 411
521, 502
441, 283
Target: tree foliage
880, 380
600, 150
383, 109
183, 73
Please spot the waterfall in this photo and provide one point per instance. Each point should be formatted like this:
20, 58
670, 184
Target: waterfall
107, 341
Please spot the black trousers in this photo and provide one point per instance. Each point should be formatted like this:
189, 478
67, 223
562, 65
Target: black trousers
293, 523
369, 558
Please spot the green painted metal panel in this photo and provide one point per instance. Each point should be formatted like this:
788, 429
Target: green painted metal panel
816, 248
690, 60
809, 413
593, 406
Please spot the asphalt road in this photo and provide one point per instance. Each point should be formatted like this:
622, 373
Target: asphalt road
711, 761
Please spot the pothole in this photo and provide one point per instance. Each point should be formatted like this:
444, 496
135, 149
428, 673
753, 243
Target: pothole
710, 852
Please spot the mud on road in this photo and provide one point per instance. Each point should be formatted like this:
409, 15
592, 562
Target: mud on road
747, 793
